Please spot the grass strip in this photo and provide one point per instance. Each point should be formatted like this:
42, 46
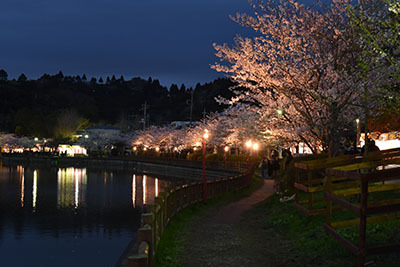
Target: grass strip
306, 243
170, 248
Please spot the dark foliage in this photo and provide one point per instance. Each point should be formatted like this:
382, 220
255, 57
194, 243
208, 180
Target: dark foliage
31, 107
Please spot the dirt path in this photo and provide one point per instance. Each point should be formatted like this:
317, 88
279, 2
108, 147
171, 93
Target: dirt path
220, 237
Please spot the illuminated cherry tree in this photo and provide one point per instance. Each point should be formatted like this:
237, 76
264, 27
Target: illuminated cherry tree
104, 141
296, 70
11, 142
165, 137
231, 127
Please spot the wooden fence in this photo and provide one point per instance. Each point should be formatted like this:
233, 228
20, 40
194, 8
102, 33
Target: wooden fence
167, 204
371, 192
311, 179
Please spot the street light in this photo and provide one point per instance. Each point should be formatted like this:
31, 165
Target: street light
358, 133
254, 146
226, 149
205, 137
248, 146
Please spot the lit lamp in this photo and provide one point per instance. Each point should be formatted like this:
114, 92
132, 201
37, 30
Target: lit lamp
226, 149
255, 147
249, 143
205, 137
358, 133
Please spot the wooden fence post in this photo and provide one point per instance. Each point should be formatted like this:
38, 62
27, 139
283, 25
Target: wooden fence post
363, 221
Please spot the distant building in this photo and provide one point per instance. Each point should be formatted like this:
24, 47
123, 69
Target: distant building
183, 124
72, 150
100, 130
97, 132
77, 135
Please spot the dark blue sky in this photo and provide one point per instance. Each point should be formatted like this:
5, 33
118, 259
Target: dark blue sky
169, 40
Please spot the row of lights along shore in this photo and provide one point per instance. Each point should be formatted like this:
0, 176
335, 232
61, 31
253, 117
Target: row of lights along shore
250, 145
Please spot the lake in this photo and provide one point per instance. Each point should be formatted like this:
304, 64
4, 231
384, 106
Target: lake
70, 216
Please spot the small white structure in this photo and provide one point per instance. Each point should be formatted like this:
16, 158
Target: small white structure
388, 140
72, 150
384, 140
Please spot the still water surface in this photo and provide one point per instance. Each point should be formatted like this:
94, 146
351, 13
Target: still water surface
70, 216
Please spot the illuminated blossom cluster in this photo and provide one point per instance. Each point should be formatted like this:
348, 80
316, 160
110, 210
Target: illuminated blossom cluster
13, 143
295, 70
230, 128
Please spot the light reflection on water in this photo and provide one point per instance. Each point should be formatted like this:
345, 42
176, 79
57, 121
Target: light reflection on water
71, 187
85, 217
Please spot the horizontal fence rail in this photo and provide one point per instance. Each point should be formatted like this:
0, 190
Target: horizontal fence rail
373, 198
353, 192
311, 178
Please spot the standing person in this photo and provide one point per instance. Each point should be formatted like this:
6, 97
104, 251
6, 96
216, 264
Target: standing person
287, 158
269, 167
264, 168
275, 162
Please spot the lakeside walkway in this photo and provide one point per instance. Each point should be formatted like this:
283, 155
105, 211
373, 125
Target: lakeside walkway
218, 239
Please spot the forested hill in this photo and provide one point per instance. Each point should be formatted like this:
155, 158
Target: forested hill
39, 107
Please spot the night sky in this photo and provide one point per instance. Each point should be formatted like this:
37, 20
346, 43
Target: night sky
167, 40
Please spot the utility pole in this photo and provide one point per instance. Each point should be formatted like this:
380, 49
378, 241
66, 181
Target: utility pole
204, 114
145, 107
191, 106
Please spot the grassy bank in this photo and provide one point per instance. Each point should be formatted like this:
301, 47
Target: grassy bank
282, 235
170, 248
306, 243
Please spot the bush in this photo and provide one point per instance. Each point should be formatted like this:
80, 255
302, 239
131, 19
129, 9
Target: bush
194, 156
236, 158
214, 157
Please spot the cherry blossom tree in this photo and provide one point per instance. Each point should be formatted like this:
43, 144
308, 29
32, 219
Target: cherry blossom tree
104, 141
12, 142
165, 137
296, 70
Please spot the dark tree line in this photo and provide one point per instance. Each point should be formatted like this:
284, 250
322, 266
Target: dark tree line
35, 107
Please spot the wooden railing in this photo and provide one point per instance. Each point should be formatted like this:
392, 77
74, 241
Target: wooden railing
371, 192
229, 165
311, 179
167, 204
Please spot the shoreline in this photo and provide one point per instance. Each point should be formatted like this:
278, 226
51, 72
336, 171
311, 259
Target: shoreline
173, 168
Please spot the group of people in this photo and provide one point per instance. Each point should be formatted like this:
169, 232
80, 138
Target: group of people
352, 149
271, 165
